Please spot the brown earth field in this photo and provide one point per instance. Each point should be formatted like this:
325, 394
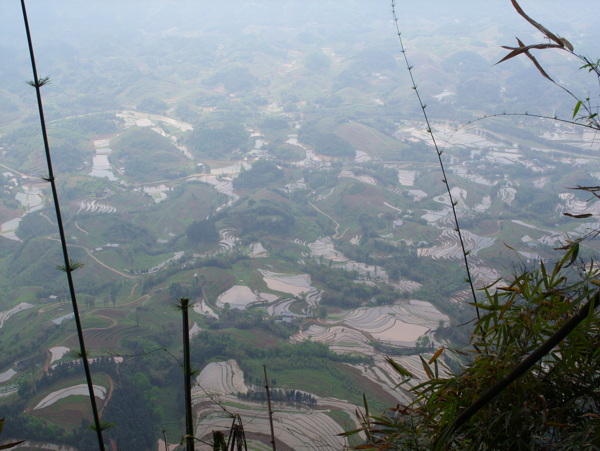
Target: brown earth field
68, 414
108, 338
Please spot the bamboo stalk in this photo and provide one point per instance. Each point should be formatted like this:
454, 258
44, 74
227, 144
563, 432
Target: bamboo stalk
187, 374
69, 266
270, 410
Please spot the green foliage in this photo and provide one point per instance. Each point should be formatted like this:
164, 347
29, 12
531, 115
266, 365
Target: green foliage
202, 232
286, 152
324, 142
152, 105
217, 140
234, 79
274, 123
265, 219
34, 224
148, 156
321, 179
302, 356
386, 175
262, 174
317, 62
553, 405
342, 290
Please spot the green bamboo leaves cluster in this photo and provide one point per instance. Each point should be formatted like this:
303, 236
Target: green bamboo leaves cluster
531, 384
533, 371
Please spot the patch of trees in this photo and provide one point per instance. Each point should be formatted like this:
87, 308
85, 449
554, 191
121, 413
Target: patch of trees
147, 155
21, 426
34, 224
132, 408
321, 178
317, 62
251, 319
275, 123
187, 112
152, 105
70, 147
386, 175
202, 232
69, 150
218, 139
375, 59
69, 140
370, 226
262, 174
381, 253
120, 231
350, 78
324, 142
207, 346
329, 101
234, 79
286, 152
465, 63
30, 263
178, 290
280, 395
274, 219
342, 290
537, 202
90, 124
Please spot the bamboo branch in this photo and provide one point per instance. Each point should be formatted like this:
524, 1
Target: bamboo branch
521, 368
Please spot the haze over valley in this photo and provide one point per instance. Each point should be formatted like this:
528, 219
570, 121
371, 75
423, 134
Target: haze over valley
270, 162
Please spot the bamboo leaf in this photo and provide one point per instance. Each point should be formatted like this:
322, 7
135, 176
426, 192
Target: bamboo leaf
11, 445
399, 369
576, 109
539, 26
538, 66
426, 367
567, 43
436, 355
581, 216
513, 289
574, 254
515, 51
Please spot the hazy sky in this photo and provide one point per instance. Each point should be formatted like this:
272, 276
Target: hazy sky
70, 33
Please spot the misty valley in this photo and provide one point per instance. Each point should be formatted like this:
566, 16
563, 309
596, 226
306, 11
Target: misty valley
270, 163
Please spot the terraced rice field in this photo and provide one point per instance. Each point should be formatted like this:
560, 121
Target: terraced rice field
94, 206
295, 427
399, 325
450, 248
81, 390
4, 316
238, 296
294, 284
57, 353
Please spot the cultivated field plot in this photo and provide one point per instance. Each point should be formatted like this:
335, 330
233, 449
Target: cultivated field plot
450, 245
399, 325
297, 427
77, 390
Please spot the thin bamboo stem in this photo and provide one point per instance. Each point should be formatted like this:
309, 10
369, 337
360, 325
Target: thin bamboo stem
270, 409
453, 202
69, 268
187, 374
